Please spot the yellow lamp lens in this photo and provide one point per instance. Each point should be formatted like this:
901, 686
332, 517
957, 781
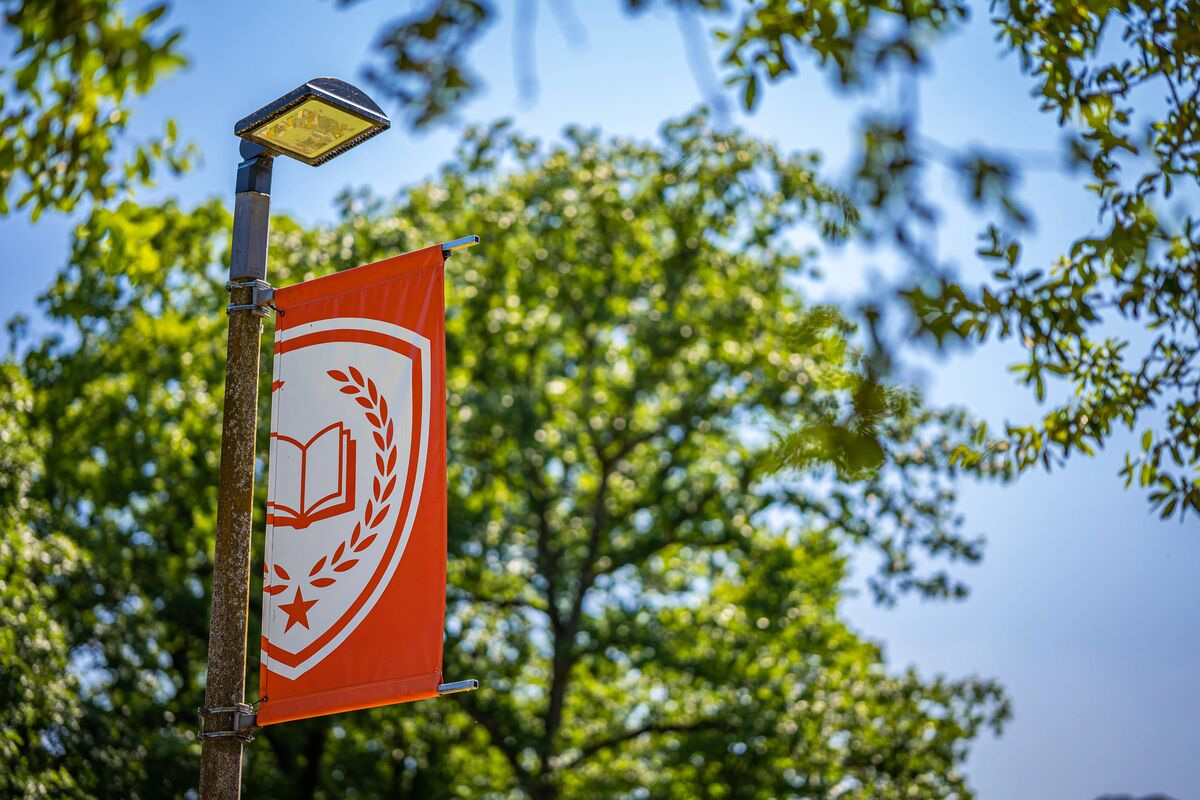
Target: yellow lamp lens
311, 129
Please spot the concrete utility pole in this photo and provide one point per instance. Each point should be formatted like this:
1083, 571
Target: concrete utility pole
315, 122
226, 717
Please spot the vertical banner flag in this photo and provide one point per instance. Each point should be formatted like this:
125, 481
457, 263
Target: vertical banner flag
354, 594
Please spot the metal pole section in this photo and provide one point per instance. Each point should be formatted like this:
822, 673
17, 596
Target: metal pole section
221, 755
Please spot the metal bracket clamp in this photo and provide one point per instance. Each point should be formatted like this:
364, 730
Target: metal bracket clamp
244, 720
262, 301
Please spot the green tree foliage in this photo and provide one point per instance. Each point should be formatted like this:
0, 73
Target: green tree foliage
419, 67
65, 96
1121, 77
79, 62
652, 612
38, 705
127, 404
1089, 63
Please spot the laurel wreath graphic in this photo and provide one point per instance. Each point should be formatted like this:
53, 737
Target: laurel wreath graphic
328, 568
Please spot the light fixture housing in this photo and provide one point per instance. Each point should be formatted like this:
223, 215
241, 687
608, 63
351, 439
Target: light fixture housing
315, 122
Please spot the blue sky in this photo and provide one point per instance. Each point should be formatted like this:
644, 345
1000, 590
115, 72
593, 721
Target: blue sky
1086, 607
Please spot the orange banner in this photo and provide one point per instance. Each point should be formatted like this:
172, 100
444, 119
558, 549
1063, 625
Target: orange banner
354, 595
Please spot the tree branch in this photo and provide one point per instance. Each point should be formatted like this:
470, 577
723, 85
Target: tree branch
564, 641
497, 736
655, 728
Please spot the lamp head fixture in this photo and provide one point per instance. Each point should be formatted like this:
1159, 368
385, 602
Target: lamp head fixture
315, 122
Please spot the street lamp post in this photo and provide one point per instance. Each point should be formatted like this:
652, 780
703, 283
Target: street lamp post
314, 123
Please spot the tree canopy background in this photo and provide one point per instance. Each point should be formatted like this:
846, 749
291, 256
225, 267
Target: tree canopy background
617, 583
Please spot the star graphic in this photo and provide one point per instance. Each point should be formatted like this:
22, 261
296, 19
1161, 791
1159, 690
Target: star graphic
297, 610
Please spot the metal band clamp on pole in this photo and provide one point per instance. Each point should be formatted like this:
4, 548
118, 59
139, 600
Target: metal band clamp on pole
244, 720
262, 297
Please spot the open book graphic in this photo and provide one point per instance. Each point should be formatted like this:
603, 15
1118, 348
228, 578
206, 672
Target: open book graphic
314, 479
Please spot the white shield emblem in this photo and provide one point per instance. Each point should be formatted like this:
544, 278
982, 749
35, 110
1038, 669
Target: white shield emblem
349, 436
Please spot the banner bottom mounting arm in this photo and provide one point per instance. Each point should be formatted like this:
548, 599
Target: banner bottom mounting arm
455, 687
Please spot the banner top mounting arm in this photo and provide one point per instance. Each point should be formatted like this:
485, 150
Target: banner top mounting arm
448, 248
